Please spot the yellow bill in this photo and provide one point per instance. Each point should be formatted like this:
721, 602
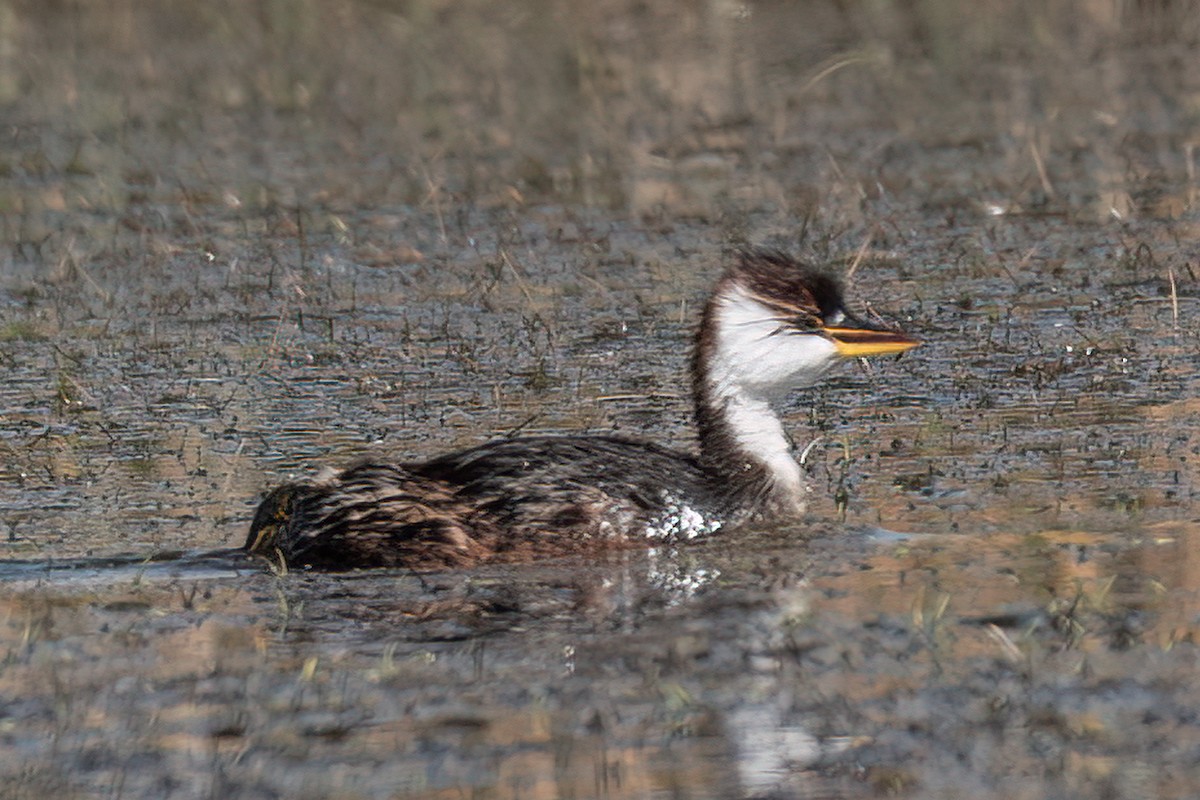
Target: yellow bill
857, 342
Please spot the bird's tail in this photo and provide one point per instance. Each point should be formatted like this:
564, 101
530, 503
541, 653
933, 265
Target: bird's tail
372, 514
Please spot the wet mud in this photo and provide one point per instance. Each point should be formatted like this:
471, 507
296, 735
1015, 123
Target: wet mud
241, 243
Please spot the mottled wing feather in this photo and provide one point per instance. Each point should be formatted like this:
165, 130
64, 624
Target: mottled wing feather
604, 488
506, 500
375, 514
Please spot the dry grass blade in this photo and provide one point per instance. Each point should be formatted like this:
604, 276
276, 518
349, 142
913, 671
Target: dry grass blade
858, 257
1040, 164
1007, 646
1174, 298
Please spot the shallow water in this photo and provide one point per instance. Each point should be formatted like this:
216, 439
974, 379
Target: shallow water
240, 243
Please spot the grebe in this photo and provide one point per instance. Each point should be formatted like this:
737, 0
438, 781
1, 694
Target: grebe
771, 325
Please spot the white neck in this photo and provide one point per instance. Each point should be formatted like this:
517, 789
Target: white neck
759, 433
755, 362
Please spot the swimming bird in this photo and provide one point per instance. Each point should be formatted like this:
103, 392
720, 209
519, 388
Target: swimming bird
773, 324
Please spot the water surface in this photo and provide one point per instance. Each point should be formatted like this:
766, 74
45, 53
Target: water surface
240, 242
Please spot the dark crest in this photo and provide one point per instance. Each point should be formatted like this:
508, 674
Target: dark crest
794, 288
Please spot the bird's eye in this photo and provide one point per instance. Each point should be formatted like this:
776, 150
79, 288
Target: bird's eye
836, 318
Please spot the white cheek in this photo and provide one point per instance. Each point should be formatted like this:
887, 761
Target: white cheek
753, 352
792, 361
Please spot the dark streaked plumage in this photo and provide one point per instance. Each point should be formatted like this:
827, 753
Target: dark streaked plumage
771, 325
